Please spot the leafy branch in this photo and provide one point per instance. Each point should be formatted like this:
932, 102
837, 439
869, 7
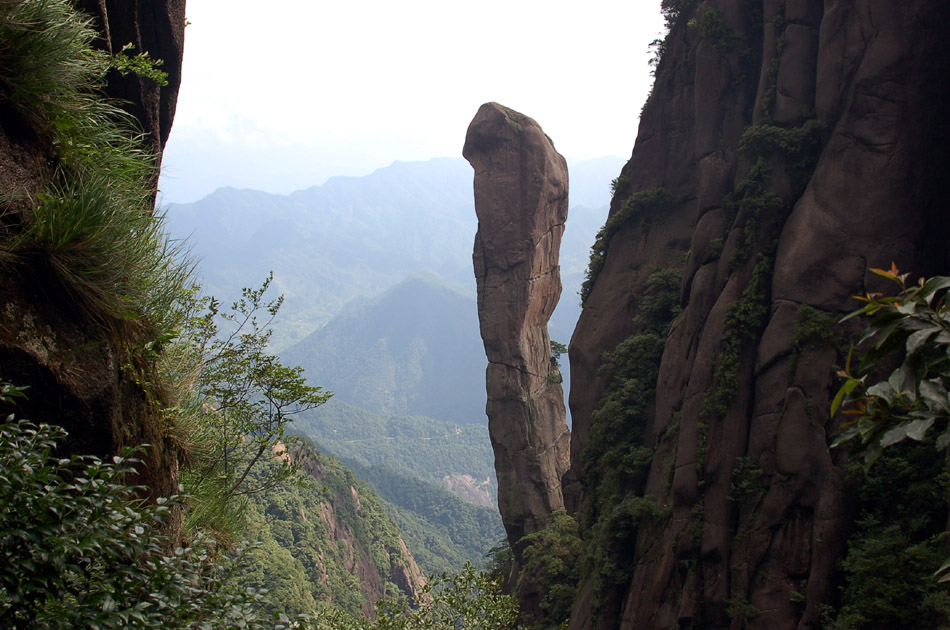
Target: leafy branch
247, 397
913, 398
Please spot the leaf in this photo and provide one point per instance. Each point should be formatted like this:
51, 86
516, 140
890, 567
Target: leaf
845, 390
918, 338
933, 285
916, 429
934, 392
943, 440
886, 389
889, 274
894, 436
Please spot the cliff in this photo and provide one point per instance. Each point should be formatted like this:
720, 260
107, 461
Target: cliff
787, 146
521, 203
72, 326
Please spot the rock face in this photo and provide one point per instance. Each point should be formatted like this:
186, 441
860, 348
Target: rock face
153, 26
521, 203
796, 143
72, 366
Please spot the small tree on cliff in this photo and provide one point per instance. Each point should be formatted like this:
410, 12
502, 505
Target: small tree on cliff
244, 400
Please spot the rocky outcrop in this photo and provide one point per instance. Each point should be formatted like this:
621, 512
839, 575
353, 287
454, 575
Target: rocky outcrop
521, 203
156, 27
76, 374
787, 147
357, 540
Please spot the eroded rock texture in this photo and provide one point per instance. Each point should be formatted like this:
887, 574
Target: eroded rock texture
521, 203
72, 366
801, 142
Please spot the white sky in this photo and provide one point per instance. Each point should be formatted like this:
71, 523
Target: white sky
283, 97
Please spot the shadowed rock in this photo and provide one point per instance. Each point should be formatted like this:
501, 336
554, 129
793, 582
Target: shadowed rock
801, 144
521, 203
73, 368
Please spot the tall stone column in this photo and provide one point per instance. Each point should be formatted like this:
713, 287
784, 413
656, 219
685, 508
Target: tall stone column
521, 188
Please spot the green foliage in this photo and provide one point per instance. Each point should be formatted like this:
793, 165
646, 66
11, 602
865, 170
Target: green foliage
80, 550
744, 320
550, 559
746, 486
754, 202
673, 10
741, 609
500, 560
618, 186
771, 77
92, 233
904, 496
416, 446
112, 258
816, 328
325, 538
469, 600
800, 145
557, 349
245, 399
653, 200
442, 531
913, 398
141, 64
713, 30
617, 461
899, 542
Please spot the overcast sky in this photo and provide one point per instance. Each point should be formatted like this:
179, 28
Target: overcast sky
283, 97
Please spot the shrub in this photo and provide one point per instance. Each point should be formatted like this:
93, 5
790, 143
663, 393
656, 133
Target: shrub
93, 555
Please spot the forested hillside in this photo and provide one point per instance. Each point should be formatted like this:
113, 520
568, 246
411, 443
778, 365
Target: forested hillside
414, 350
436, 479
326, 538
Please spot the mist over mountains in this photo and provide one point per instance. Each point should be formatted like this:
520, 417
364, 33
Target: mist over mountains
413, 350
356, 237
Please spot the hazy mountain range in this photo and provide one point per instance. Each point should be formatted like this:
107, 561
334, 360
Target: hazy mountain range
356, 237
380, 307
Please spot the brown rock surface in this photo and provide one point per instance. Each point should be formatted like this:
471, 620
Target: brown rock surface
521, 202
71, 365
873, 189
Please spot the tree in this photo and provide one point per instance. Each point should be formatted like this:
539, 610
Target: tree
244, 399
471, 600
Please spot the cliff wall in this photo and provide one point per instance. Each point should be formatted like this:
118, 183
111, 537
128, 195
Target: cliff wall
787, 146
78, 375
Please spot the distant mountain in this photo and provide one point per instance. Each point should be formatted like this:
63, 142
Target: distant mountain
327, 245
436, 478
424, 448
355, 237
415, 350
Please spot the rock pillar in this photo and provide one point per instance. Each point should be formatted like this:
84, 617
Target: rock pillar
521, 201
